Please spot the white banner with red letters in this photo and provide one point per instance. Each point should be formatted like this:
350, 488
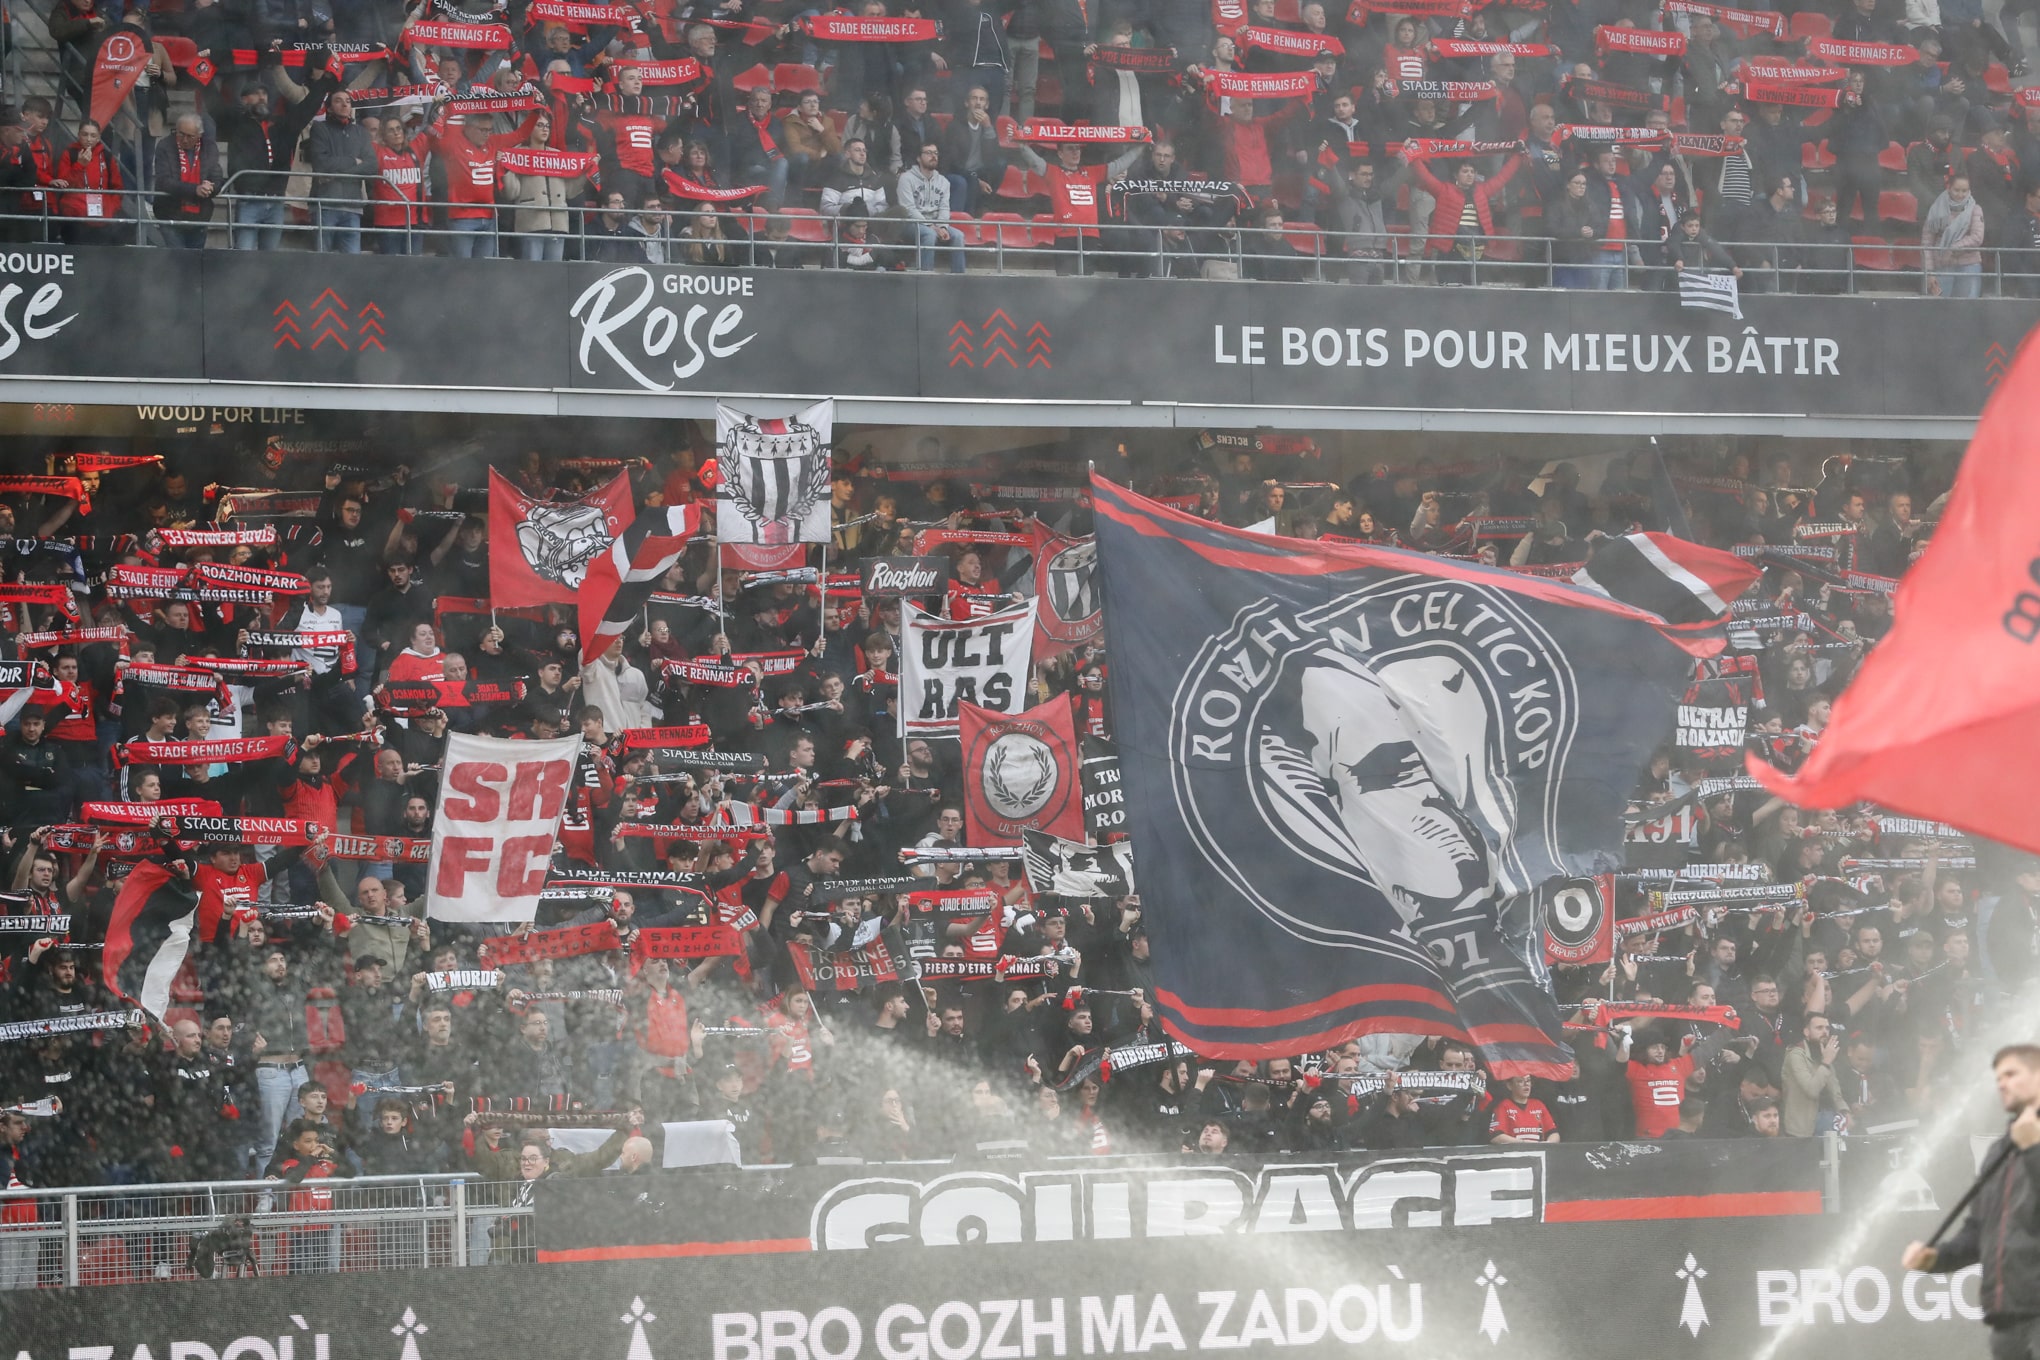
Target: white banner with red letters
498, 819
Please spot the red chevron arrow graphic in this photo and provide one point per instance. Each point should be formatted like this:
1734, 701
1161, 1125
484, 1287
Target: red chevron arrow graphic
963, 326
329, 293
1995, 361
999, 315
284, 306
369, 332
1037, 329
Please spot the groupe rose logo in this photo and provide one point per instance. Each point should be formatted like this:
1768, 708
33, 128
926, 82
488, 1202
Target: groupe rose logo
618, 316
35, 318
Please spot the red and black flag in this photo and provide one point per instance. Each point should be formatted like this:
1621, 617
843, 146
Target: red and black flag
1682, 583
626, 572
1020, 773
1348, 770
852, 970
541, 552
1903, 735
150, 934
1066, 583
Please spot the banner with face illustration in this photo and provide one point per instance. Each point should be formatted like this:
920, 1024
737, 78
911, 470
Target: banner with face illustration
1348, 770
539, 551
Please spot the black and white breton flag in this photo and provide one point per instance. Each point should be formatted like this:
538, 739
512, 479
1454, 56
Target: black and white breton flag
774, 485
1710, 292
1680, 582
622, 576
1072, 870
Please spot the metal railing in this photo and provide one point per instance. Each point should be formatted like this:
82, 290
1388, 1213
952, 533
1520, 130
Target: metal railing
1006, 243
127, 1234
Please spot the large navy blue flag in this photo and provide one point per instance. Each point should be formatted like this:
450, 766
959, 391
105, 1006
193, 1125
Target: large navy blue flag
1347, 768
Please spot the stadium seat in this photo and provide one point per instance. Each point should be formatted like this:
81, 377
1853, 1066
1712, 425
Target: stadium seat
1015, 183
759, 75
1997, 79
841, 119
1892, 158
1811, 24
1009, 131
1873, 254
806, 225
1816, 156
942, 120
1288, 12
1006, 229
183, 52
1043, 234
967, 227
1898, 205
1308, 239
795, 75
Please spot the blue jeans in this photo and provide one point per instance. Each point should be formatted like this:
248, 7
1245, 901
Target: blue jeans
1961, 281
1573, 276
773, 176
1607, 275
542, 245
340, 230
924, 233
396, 241
277, 1085
472, 239
258, 224
185, 235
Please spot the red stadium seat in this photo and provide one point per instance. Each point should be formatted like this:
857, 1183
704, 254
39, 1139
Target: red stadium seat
1009, 131
1043, 234
1898, 205
759, 75
1997, 79
1014, 183
805, 224
1816, 156
967, 227
1005, 229
794, 75
1874, 255
1892, 158
1307, 239
1811, 24
841, 118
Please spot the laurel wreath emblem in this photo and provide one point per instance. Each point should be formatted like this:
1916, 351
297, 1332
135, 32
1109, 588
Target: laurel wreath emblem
996, 780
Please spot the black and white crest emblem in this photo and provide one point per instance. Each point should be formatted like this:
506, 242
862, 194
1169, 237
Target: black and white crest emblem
1019, 777
558, 541
1072, 582
1378, 739
777, 470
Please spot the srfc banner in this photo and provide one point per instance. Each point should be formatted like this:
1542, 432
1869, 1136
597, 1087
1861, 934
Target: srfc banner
498, 820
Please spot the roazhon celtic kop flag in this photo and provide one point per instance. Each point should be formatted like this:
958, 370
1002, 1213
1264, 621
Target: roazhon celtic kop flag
1348, 769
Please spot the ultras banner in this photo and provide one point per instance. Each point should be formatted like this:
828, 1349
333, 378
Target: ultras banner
1348, 768
1709, 1290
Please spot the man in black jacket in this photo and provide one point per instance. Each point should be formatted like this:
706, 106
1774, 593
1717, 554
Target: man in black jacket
187, 178
2002, 1231
261, 139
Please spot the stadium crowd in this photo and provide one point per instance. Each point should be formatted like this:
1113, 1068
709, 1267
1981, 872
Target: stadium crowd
1632, 139
322, 1027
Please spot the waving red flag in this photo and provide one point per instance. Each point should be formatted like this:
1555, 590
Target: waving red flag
1943, 719
115, 70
